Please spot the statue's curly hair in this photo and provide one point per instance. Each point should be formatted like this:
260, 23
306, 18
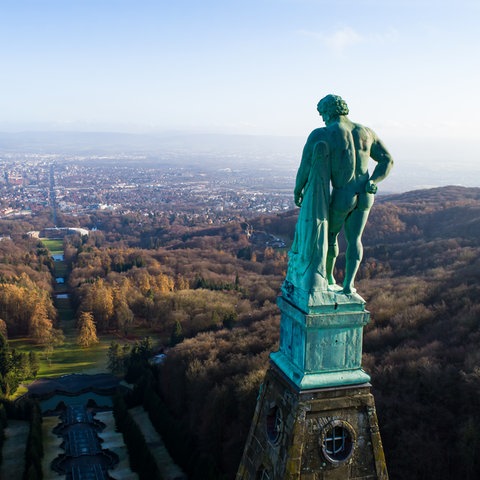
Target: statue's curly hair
332, 105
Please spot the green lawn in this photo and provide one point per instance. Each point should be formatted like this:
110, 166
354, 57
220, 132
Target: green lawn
67, 358
70, 358
54, 245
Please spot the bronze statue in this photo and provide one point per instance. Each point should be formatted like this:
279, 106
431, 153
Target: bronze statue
334, 189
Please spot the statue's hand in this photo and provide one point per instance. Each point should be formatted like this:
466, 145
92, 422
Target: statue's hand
298, 199
371, 187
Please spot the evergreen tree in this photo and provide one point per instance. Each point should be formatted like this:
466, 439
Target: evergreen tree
14, 367
4, 356
116, 357
34, 363
177, 334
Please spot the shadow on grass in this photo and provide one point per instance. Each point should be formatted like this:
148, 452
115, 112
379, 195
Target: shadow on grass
67, 358
71, 358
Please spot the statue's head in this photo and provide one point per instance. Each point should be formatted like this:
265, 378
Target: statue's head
332, 106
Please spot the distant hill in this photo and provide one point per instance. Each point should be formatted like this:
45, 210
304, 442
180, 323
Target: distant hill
444, 212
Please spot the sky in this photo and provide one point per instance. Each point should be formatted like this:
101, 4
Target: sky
407, 68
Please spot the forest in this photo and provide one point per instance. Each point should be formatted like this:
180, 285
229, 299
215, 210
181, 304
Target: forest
206, 296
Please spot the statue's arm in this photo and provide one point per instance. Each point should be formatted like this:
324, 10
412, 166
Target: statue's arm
306, 164
302, 173
384, 160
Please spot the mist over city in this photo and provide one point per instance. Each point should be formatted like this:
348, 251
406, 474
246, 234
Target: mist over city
419, 163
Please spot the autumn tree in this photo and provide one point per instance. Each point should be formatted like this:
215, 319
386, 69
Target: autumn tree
27, 309
3, 328
99, 302
40, 328
122, 315
87, 331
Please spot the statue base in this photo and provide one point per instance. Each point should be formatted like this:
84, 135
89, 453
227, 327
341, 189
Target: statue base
325, 300
319, 350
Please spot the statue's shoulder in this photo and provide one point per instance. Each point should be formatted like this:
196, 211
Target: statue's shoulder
318, 135
364, 131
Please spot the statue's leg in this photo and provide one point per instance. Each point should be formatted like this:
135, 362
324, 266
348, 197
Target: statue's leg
354, 226
332, 255
341, 204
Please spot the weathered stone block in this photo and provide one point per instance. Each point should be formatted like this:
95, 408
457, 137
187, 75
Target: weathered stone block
334, 434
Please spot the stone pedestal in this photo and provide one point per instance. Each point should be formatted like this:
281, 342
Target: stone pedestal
322, 349
317, 434
315, 417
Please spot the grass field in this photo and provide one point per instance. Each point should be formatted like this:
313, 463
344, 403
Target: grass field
54, 245
67, 358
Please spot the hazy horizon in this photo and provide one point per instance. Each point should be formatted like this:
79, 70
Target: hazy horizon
419, 163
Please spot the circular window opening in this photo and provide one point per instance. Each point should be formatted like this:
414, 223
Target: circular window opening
337, 442
274, 424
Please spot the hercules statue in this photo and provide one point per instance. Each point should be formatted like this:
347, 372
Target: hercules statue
334, 189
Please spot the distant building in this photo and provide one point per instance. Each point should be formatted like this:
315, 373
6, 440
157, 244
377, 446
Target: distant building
62, 232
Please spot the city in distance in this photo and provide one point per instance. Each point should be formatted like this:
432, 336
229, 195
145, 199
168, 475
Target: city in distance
419, 163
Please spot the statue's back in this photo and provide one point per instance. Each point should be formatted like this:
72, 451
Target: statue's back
342, 154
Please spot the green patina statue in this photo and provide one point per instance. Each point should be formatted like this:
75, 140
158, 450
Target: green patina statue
334, 189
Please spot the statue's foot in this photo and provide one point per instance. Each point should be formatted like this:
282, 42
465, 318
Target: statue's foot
331, 280
348, 290
335, 288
